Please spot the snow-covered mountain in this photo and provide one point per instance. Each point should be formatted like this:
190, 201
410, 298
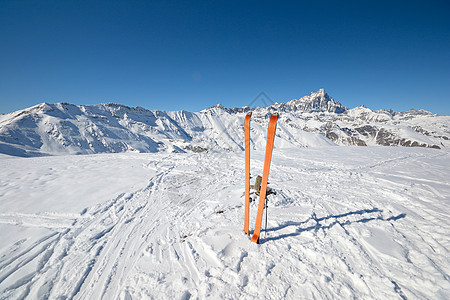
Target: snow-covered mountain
314, 120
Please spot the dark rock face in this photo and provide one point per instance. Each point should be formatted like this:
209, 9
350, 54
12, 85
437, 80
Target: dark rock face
387, 138
367, 130
196, 149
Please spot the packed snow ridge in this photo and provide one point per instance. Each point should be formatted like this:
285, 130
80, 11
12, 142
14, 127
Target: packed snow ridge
314, 120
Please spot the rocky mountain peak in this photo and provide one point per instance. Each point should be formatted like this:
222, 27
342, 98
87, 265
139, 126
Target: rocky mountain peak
317, 101
320, 94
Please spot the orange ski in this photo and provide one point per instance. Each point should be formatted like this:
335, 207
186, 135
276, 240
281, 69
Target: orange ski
247, 170
265, 177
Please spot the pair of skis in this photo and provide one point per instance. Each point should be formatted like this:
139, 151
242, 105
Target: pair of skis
267, 160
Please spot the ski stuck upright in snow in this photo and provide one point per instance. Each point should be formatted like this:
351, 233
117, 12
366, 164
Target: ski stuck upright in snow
263, 189
247, 171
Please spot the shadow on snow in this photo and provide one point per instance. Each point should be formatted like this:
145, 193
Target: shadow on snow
337, 221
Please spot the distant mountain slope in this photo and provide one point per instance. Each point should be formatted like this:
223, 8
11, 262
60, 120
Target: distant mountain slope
314, 120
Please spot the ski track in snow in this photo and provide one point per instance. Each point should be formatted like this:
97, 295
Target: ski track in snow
346, 222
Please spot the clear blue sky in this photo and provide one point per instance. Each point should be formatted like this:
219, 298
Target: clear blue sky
173, 55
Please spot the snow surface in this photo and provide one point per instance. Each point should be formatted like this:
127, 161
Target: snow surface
346, 222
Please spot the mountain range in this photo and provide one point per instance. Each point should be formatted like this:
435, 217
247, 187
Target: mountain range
311, 121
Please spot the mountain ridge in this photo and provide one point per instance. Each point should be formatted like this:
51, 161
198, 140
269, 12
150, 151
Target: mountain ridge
313, 120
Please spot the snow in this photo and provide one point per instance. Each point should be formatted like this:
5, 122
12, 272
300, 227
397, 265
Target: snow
346, 222
75, 182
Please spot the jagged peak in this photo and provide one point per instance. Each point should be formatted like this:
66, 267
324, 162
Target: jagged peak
320, 92
319, 101
317, 94
218, 106
41, 107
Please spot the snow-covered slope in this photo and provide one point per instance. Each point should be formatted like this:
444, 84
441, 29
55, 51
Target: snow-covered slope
314, 120
346, 222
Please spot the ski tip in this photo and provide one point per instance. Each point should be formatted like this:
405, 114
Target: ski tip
249, 113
